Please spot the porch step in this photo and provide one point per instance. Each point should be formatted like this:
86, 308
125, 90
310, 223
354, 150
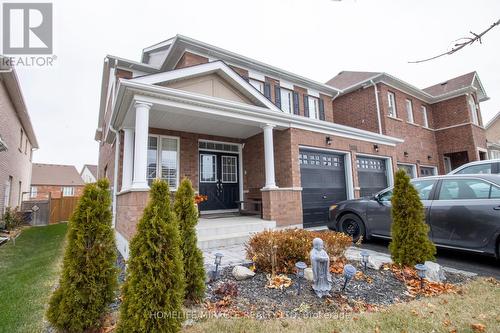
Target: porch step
213, 233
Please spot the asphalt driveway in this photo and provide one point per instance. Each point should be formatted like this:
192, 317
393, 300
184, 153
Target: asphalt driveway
482, 265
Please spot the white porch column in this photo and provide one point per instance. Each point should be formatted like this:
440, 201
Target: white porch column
269, 156
128, 158
141, 145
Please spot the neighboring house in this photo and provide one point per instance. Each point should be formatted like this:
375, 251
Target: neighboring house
89, 173
441, 125
17, 142
241, 129
493, 136
54, 181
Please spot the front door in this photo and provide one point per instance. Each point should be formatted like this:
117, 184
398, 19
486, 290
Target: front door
219, 180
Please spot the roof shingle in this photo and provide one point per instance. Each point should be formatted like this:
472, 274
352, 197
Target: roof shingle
345, 79
454, 84
55, 174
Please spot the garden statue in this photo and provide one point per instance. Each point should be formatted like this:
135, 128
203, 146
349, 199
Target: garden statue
320, 262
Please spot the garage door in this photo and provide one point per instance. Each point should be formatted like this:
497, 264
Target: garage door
372, 175
323, 183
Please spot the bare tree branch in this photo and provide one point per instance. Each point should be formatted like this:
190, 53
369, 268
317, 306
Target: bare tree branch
461, 43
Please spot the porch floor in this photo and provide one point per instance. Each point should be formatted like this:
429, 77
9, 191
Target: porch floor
229, 231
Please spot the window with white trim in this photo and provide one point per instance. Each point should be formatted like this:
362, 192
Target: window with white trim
391, 100
34, 191
424, 116
259, 85
409, 169
473, 110
229, 172
163, 160
313, 107
409, 111
286, 100
68, 191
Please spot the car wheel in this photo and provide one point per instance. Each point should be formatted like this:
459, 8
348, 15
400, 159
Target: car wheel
352, 225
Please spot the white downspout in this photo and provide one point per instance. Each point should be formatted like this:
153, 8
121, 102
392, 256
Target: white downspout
379, 120
115, 171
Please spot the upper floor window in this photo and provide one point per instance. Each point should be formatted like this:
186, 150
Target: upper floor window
473, 111
259, 85
68, 191
286, 100
391, 99
313, 104
424, 116
409, 111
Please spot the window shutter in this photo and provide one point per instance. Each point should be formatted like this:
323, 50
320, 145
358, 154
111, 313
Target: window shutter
277, 96
306, 106
295, 102
321, 109
267, 90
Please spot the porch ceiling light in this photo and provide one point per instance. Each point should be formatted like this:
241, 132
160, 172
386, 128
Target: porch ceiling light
375, 147
406, 154
429, 157
328, 140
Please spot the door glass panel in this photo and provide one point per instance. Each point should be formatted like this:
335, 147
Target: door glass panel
474, 169
495, 192
208, 165
229, 172
461, 189
169, 161
424, 188
152, 158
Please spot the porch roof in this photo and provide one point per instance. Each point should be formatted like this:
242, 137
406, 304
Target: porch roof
207, 114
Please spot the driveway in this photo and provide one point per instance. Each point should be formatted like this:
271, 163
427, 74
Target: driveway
482, 265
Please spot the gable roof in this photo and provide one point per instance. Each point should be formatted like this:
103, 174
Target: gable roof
454, 84
92, 168
346, 79
217, 67
55, 174
493, 120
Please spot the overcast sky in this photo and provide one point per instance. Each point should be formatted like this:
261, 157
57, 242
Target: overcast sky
313, 38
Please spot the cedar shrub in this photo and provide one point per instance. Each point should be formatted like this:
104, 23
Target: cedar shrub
187, 214
292, 245
89, 276
153, 291
410, 242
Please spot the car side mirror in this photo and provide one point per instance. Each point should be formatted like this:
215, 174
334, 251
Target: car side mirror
376, 197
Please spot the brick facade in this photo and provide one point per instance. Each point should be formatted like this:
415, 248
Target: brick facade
16, 161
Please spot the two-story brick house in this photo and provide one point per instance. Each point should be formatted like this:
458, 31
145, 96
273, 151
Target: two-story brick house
241, 129
17, 142
441, 125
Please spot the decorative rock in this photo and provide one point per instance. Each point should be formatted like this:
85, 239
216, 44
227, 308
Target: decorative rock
434, 272
242, 273
376, 261
308, 274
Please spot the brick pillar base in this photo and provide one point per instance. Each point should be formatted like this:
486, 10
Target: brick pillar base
129, 209
283, 205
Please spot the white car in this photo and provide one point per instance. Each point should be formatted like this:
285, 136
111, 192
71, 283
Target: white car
478, 167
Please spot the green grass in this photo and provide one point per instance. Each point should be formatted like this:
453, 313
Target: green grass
478, 304
28, 272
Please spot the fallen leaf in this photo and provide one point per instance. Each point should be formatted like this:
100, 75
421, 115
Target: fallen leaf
414, 312
478, 327
447, 322
377, 329
453, 330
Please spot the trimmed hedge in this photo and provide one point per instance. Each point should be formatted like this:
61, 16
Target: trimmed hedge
292, 245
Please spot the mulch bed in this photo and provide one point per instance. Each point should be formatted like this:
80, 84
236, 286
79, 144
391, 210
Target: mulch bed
369, 291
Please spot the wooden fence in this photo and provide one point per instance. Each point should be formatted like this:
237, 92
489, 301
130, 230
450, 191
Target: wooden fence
62, 208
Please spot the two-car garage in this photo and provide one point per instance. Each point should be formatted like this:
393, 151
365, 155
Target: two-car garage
326, 179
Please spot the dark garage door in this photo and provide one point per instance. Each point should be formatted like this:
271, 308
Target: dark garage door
323, 183
372, 176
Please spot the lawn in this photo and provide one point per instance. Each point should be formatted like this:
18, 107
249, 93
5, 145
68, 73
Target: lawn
28, 272
478, 304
